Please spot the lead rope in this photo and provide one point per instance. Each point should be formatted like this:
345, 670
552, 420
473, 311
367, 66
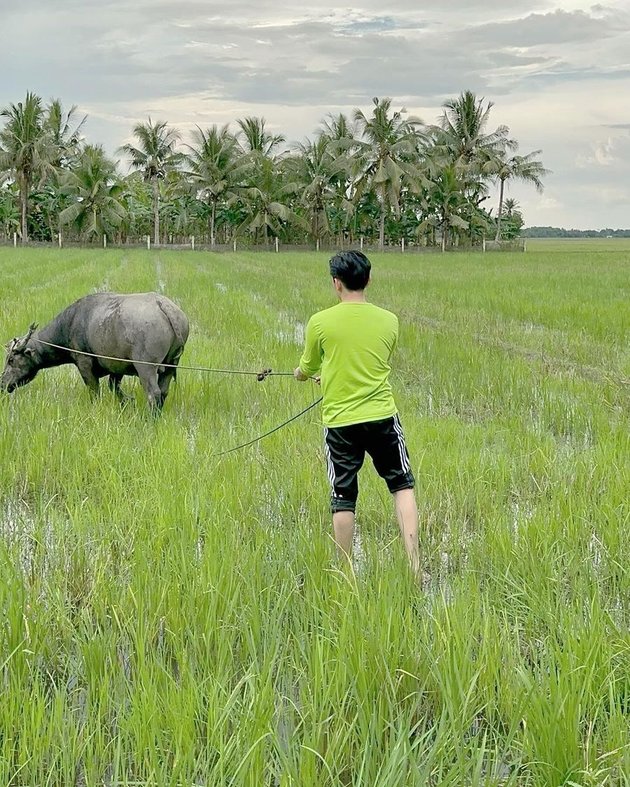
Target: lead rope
271, 431
260, 376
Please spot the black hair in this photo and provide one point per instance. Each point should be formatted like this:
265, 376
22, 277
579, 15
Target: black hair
352, 268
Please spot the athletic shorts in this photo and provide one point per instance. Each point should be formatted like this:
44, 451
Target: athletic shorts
345, 448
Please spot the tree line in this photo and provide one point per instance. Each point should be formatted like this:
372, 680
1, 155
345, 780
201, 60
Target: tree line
383, 176
560, 232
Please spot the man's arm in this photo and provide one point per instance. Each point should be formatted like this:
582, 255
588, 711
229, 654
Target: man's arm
311, 360
394, 342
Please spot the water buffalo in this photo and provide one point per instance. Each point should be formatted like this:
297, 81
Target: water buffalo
142, 326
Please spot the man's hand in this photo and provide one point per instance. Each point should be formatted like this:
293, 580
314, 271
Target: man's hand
297, 373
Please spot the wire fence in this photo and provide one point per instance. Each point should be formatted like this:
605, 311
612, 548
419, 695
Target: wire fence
275, 246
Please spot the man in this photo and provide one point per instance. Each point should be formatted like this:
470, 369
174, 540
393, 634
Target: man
350, 346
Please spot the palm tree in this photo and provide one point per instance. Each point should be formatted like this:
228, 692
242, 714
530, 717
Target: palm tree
341, 135
9, 210
444, 204
465, 135
154, 157
64, 132
524, 168
385, 159
314, 170
254, 138
264, 200
24, 151
138, 201
464, 140
338, 127
96, 190
215, 167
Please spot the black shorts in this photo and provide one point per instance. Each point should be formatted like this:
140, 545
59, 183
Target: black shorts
346, 447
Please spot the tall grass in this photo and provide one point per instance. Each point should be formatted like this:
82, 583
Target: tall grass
174, 618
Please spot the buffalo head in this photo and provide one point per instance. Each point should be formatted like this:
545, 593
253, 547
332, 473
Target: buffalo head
21, 363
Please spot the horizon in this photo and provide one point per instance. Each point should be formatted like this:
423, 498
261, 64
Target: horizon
554, 70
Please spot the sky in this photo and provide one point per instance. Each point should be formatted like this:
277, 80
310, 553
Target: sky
557, 73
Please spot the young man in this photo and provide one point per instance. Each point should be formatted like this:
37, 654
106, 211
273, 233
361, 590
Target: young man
350, 345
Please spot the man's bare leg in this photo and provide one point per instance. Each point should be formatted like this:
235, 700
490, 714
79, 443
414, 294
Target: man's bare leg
343, 528
407, 515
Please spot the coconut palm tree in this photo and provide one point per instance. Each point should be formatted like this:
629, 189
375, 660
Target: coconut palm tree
138, 202
465, 135
527, 169
215, 167
445, 204
96, 191
513, 219
338, 127
385, 160
314, 174
254, 137
64, 130
265, 199
341, 135
9, 210
24, 149
464, 139
154, 157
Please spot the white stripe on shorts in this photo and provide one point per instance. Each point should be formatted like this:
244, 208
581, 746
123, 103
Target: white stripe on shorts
402, 448
329, 462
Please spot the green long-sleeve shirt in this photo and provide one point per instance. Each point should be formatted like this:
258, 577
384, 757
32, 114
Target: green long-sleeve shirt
350, 345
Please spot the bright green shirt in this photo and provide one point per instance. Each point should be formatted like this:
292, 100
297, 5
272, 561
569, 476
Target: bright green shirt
350, 345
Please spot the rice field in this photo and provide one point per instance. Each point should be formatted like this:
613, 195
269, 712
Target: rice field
174, 617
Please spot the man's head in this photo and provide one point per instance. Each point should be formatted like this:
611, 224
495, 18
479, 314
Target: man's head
351, 269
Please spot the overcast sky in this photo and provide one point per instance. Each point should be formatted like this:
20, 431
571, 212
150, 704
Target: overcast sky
558, 74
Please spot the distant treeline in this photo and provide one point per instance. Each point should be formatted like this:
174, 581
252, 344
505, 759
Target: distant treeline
382, 177
560, 232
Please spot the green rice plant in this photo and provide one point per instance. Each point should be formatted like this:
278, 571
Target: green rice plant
173, 616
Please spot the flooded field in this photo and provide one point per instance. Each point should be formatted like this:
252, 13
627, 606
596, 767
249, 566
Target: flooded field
170, 617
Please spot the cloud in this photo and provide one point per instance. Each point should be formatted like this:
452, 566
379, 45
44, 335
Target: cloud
542, 29
602, 154
555, 70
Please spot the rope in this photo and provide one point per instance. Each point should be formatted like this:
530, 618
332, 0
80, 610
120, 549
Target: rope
271, 431
259, 375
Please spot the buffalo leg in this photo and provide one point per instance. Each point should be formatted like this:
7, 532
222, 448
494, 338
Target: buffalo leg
149, 379
164, 381
114, 386
86, 370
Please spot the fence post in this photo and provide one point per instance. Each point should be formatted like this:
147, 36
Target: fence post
317, 245
483, 245
104, 241
192, 242
524, 246
15, 238
277, 245
361, 246
59, 236
148, 241
402, 245
234, 245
